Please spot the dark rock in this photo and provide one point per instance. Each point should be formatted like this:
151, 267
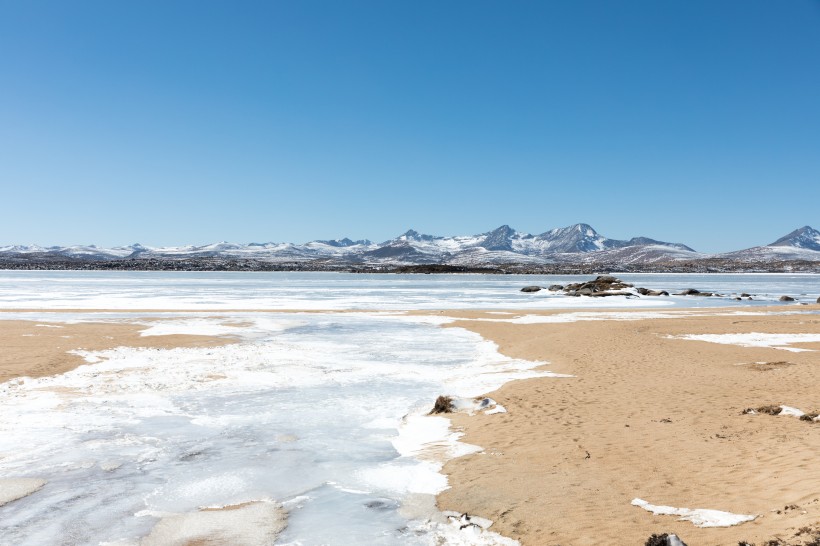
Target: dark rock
531, 289
606, 279
739, 299
584, 291
745, 295
381, 505
786, 298
689, 292
610, 293
818, 300
555, 287
704, 294
664, 540
647, 292
444, 404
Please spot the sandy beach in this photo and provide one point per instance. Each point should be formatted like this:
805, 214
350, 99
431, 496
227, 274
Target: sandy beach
647, 415
38, 348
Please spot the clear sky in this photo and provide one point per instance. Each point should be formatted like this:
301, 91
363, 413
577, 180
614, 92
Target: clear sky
188, 122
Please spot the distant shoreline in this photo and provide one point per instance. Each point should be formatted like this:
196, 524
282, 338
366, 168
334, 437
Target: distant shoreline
703, 266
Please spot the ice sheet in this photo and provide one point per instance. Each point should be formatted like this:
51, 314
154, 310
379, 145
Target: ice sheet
326, 408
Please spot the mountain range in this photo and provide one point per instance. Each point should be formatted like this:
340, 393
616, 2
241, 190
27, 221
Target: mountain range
576, 244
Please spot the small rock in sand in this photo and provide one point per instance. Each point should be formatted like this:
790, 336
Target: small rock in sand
664, 540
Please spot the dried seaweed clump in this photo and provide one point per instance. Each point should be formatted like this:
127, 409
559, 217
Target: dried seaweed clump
444, 404
809, 416
664, 540
768, 410
805, 536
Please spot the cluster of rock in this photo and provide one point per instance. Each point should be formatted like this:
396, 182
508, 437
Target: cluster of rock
602, 286
607, 285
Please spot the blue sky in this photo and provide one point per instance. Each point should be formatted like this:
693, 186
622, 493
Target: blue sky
187, 122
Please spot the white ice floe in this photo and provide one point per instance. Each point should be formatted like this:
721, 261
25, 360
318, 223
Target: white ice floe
756, 339
699, 517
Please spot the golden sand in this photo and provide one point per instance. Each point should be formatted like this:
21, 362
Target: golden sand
646, 415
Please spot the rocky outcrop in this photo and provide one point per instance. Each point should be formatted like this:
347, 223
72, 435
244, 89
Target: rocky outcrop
531, 289
603, 284
786, 298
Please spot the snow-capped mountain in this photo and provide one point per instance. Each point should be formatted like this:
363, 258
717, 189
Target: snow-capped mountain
806, 237
800, 244
576, 244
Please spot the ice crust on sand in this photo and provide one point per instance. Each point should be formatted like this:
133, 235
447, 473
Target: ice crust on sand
790, 411
699, 517
756, 339
12, 489
312, 409
250, 523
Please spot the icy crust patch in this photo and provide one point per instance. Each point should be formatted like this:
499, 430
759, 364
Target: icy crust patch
756, 339
12, 489
790, 411
258, 522
699, 517
317, 410
465, 530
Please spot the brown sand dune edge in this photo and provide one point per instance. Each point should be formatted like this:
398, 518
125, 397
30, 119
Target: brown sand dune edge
646, 416
37, 348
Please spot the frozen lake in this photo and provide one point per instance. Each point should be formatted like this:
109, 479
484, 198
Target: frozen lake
322, 413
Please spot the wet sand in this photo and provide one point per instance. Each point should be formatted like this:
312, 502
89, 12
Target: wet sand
644, 416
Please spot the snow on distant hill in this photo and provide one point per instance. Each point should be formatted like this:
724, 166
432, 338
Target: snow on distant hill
578, 243
800, 244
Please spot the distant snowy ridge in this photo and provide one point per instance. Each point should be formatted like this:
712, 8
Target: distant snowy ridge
578, 243
800, 244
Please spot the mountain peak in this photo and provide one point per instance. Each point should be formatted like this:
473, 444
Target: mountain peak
413, 235
804, 237
499, 239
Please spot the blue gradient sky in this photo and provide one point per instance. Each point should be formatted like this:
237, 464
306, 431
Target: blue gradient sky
187, 122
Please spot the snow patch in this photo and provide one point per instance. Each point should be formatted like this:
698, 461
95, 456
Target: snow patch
756, 339
699, 517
